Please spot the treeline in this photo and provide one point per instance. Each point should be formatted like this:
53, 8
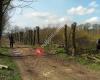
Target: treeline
71, 37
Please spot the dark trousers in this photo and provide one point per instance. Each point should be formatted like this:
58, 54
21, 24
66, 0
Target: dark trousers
11, 44
98, 46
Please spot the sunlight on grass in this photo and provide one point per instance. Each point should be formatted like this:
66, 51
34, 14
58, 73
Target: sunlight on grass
4, 60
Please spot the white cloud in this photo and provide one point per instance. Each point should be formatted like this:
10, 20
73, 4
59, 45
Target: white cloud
80, 10
92, 20
93, 4
41, 18
59, 20
48, 18
37, 15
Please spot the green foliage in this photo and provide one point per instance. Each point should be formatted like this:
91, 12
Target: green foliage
12, 74
81, 59
60, 50
88, 63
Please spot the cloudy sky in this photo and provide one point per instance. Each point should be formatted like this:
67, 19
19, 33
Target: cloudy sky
43, 12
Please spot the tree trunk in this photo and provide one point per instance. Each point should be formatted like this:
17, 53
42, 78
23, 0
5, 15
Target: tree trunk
1, 16
66, 40
73, 39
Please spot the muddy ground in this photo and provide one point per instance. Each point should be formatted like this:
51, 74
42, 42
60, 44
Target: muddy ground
49, 68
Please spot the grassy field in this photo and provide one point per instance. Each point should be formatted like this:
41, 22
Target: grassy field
13, 72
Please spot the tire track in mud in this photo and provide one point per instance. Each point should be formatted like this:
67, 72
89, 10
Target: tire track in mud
26, 67
25, 70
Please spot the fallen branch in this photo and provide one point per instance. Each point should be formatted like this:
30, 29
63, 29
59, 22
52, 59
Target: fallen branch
94, 59
3, 67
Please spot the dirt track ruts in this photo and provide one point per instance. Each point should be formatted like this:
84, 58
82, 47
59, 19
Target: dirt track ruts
47, 68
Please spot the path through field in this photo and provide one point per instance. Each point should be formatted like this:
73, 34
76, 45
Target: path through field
48, 68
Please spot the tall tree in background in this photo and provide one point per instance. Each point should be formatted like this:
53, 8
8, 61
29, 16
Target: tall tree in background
1, 17
5, 6
73, 38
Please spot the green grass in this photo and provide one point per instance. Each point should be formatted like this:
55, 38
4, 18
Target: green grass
88, 63
83, 60
5, 60
78, 59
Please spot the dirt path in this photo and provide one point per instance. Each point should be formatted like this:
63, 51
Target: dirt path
47, 68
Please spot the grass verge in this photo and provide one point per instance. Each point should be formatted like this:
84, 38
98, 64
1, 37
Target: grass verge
81, 59
13, 72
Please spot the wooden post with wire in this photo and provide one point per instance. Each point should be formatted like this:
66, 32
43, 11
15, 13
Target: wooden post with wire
34, 36
38, 34
73, 39
66, 39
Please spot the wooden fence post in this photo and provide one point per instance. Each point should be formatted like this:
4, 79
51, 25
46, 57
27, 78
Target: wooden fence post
30, 37
21, 36
66, 39
73, 39
34, 35
25, 37
38, 34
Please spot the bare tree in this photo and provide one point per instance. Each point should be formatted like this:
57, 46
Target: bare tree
5, 6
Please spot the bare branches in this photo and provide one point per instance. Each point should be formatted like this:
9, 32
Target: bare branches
22, 6
28, 0
7, 5
6, 2
24, 3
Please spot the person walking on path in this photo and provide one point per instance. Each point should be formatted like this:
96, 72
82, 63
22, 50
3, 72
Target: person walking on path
11, 39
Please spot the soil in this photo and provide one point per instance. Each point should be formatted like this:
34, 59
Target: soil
50, 68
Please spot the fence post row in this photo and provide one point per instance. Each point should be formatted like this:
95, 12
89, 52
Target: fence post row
33, 36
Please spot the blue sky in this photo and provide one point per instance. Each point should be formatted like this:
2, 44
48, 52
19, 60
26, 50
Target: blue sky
45, 12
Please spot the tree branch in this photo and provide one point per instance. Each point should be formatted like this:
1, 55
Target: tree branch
6, 7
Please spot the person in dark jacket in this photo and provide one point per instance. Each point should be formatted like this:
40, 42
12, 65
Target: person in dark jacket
98, 45
11, 39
